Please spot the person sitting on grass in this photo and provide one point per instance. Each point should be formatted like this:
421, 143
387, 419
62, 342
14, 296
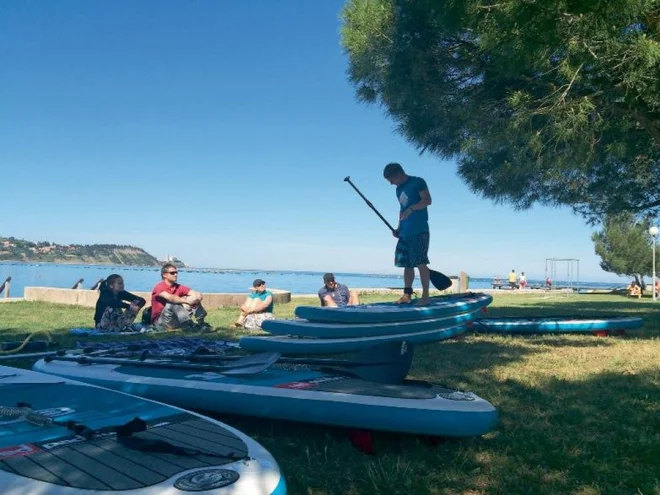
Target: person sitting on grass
173, 306
656, 287
116, 309
257, 308
634, 290
335, 295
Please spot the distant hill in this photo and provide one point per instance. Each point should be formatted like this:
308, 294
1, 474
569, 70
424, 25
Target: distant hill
12, 249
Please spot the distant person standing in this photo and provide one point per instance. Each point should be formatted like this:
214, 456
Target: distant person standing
413, 230
513, 279
523, 280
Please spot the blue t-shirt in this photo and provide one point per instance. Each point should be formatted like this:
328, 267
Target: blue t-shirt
408, 195
263, 295
340, 295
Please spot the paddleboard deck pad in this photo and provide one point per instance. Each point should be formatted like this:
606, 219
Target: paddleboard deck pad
389, 312
558, 324
61, 437
299, 393
294, 346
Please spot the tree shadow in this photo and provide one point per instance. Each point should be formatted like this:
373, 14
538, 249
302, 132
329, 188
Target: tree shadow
560, 340
557, 437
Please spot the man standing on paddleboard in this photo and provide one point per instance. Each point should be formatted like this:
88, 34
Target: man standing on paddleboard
413, 230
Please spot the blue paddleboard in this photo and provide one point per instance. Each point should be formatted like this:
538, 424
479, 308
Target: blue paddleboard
292, 345
438, 307
305, 328
559, 324
61, 437
298, 393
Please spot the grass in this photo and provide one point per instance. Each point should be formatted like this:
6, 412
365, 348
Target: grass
579, 414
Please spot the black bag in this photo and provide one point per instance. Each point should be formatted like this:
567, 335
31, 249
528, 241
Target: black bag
146, 316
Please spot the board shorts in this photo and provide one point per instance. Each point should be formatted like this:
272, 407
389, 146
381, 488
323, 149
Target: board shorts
412, 251
254, 320
116, 320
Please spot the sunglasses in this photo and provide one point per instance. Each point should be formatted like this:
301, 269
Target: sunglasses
172, 273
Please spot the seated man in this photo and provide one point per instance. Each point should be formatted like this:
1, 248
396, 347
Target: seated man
257, 308
335, 295
173, 306
634, 290
657, 287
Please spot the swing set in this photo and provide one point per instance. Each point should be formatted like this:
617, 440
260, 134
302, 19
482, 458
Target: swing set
554, 266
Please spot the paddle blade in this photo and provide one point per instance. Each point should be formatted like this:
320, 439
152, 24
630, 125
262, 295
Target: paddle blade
439, 280
251, 365
387, 363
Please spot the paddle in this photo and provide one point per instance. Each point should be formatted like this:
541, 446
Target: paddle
439, 280
386, 363
28, 355
64, 352
249, 365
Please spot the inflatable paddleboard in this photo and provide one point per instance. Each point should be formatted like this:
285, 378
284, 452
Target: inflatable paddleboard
305, 328
292, 345
299, 393
120, 444
560, 324
438, 307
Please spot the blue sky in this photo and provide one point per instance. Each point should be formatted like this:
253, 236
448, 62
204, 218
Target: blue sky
221, 132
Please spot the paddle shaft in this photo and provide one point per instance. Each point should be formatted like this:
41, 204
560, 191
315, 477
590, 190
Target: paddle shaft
61, 353
283, 360
29, 355
348, 179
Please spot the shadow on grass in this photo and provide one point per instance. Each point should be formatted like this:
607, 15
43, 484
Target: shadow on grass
599, 435
558, 340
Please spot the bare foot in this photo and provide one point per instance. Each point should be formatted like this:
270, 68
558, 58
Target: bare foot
404, 299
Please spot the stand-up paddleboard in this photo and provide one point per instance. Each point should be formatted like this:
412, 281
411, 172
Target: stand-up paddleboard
60, 437
438, 307
558, 324
298, 393
293, 345
305, 328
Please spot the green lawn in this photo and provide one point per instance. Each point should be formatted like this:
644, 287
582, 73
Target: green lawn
579, 414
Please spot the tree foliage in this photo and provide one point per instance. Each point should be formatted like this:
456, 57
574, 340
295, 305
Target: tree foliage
540, 101
625, 247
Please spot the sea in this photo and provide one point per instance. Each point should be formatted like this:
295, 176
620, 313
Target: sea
143, 278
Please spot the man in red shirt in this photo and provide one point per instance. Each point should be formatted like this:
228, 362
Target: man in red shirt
173, 305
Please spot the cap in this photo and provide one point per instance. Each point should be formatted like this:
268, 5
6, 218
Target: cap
328, 277
257, 282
